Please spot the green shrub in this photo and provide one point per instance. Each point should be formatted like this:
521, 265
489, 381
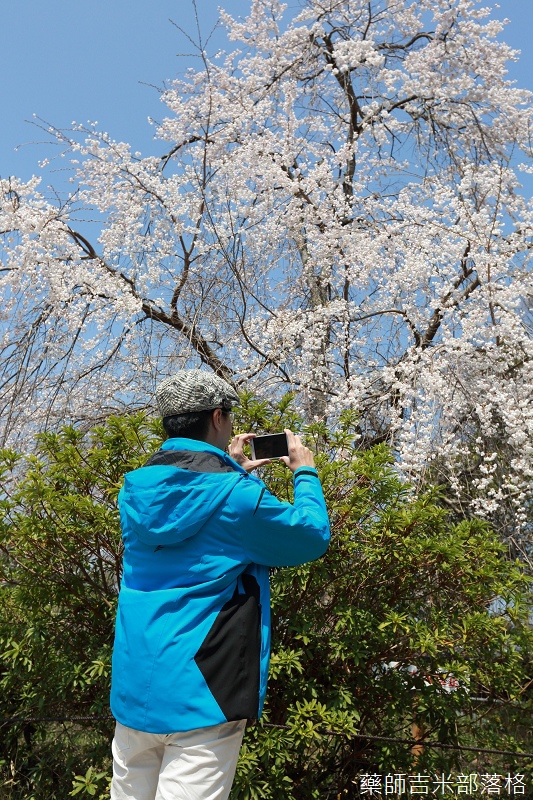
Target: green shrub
400, 588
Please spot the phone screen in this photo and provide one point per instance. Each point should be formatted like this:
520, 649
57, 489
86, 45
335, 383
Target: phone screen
272, 445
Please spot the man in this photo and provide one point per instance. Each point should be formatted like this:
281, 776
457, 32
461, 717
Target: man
192, 639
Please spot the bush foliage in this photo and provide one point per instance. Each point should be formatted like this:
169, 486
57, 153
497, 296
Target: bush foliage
364, 639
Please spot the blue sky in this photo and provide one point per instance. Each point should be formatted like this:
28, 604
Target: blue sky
67, 60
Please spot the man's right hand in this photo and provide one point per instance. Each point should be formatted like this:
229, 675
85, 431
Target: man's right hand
299, 454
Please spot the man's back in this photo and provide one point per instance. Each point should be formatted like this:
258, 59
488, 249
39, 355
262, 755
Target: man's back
199, 534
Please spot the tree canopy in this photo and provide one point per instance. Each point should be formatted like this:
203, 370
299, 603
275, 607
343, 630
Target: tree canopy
336, 209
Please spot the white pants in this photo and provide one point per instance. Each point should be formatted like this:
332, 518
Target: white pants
195, 765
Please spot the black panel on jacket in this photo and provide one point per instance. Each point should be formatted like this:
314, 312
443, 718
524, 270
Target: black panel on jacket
189, 459
229, 657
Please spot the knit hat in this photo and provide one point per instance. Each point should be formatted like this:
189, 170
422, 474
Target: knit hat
193, 390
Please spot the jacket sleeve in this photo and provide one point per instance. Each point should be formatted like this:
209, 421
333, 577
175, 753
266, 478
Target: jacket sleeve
276, 533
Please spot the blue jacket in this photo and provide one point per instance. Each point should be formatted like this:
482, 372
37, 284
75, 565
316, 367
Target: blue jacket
192, 638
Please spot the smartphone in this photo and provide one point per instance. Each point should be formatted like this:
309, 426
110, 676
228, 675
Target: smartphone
272, 445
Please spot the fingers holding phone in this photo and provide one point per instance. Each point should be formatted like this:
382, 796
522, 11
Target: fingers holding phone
236, 451
299, 454
286, 446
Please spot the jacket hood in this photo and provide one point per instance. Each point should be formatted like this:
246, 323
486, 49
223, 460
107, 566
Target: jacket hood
164, 504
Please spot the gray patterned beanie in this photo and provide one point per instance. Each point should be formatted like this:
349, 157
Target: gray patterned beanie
193, 390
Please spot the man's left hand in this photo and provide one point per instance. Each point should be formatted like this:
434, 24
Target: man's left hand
236, 451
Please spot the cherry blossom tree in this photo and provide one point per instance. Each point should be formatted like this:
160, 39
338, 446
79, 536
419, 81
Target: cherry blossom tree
336, 209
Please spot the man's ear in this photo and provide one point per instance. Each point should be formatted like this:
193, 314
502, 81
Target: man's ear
216, 419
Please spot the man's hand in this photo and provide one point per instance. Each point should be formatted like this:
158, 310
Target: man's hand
299, 454
235, 449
